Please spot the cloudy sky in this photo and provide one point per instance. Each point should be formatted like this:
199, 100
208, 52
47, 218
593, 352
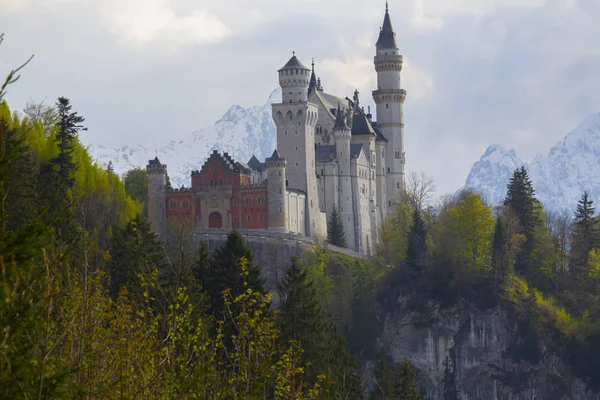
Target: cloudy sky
520, 73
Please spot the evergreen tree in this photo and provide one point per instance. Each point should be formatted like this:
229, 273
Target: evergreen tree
585, 234
69, 126
168, 183
134, 251
110, 168
335, 229
385, 380
450, 392
500, 253
417, 246
520, 197
301, 315
225, 272
407, 388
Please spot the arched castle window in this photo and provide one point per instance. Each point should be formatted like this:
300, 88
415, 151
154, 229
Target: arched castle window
261, 200
184, 205
397, 153
172, 205
248, 200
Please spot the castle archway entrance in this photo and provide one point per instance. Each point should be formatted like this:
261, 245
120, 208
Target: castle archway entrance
215, 220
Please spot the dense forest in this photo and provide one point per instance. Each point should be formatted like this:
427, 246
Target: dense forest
93, 306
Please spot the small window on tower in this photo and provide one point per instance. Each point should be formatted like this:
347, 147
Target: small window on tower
279, 173
397, 153
398, 185
388, 170
249, 218
173, 205
260, 217
387, 106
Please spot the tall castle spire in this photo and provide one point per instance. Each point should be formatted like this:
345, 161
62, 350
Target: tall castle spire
387, 36
313, 79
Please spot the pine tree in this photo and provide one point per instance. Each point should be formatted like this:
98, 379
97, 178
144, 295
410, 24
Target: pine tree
335, 229
110, 168
585, 234
450, 392
225, 273
407, 388
69, 126
500, 253
134, 250
417, 246
520, 197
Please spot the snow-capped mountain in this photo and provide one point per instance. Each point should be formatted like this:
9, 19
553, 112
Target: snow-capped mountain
242, 132
571, 167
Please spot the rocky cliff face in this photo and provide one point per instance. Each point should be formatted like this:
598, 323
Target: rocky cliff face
477, 343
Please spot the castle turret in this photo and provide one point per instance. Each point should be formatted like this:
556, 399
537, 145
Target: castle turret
294, 79
277, 204
157, 196
389, 98
296, 119
342, 135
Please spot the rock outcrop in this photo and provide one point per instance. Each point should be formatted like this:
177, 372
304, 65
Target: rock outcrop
479, 346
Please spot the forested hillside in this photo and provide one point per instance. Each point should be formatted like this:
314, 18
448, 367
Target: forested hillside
94, 307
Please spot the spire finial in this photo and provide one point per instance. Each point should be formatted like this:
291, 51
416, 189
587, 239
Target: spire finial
293, 53
386, 6
313, 64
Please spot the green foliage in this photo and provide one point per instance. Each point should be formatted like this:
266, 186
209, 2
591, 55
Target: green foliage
395, 382
136, 186
471, 223
416, 253
335, 229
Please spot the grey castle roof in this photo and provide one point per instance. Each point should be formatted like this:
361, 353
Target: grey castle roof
387, 37
313, 79
380, 137
340, 121
154, 162
275, 156
327, 153
361, 125
293, 63
255, 164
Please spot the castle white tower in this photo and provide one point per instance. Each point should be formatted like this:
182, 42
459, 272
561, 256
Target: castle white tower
389, 98
342, 135
295, 119
278, 207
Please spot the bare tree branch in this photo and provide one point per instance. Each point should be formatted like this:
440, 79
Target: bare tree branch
12, 75
419, 189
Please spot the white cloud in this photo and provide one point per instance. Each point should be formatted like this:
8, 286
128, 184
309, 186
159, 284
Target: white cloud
142, 23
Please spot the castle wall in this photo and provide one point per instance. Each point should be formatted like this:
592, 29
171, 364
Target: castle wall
157, 179
297, 209
254, 208
272, 251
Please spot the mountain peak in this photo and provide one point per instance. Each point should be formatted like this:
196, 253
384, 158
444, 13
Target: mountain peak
570, 167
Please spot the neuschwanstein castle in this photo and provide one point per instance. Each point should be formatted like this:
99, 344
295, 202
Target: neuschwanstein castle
330, 152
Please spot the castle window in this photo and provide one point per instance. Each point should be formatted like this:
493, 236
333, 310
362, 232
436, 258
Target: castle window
261, 200
321, 171
279, 190
234, 218
311, 204
260, 217
296, 148
397, 153
249, 218
248, 200
387, 106
234, 202
173, 205
291, 114
285, 132
388, 170
398, 185
279, 173
382, 153
184, 205
280, 209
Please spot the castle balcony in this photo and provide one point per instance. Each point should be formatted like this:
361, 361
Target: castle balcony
389, 95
